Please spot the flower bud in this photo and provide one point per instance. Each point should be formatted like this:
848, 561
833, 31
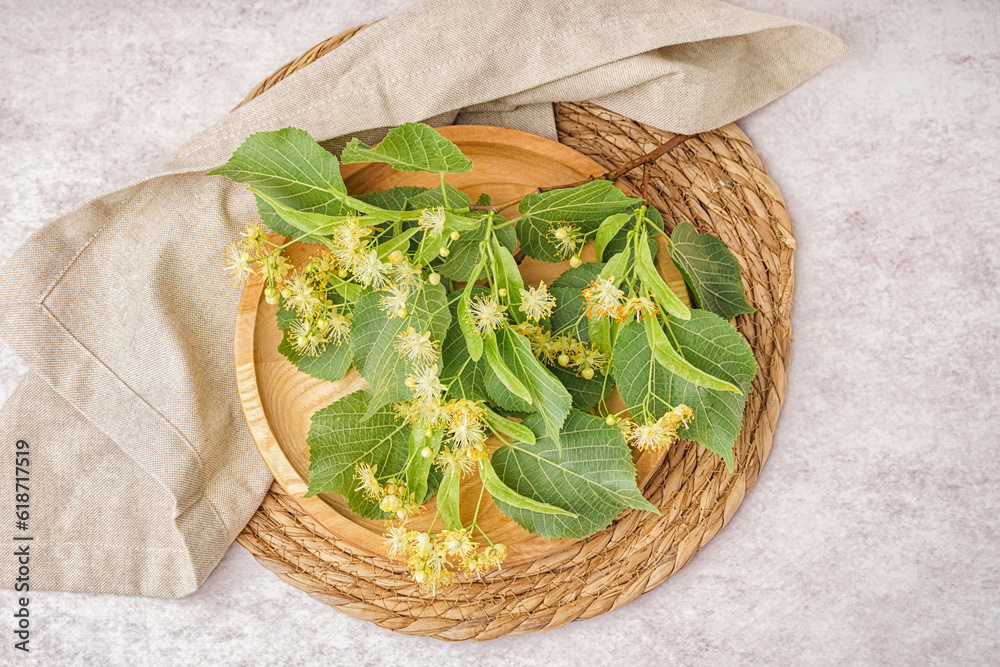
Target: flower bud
611, 420
587, 373
426, 452
402, 312
271, 295
563, 360
434, 278
395, 256
444, 252
502, 291
455, 236
575, 261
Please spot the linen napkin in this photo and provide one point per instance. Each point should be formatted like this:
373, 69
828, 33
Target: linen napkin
142, 470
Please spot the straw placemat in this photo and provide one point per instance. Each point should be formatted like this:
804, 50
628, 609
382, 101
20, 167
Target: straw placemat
718, 182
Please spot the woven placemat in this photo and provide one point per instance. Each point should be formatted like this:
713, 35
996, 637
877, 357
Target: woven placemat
718, 182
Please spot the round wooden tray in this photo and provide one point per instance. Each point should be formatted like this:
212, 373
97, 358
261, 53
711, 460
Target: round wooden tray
279, 400
717, 181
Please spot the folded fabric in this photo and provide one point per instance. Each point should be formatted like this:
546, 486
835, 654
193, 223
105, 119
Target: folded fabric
142, 468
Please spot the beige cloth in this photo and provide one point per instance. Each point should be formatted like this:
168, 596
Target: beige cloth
142, 468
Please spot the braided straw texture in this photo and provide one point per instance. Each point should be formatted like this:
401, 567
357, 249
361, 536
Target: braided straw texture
718, 182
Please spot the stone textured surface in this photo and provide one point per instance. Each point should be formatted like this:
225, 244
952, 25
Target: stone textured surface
873, 534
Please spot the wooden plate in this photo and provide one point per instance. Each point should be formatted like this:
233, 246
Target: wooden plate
279, 401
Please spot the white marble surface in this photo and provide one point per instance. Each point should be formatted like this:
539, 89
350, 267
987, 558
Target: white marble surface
872, 536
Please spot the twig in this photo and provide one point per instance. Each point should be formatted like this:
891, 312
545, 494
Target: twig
645, 182
613, 175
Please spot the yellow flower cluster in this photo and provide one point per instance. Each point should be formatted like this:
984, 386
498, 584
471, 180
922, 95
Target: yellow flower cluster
432, 558
464, 427
567, 239
563, 349
392, 497
603, 299
660, 434
240, 256
320, 321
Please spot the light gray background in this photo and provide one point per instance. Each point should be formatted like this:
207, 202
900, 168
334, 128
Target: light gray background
872, 534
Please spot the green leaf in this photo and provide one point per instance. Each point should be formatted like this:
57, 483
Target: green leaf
410, 147
394, 199
504, 377
288, 166
585, 393
419, 469
399, 242
709, 343
339, 439
469, 374
671, 359
580, 277
509, 278
466, 253
508, 496
592, 474
609, 230
447, 499
650, 277
314, 224
599, 332
499, 424
710, 270
617, 266
484, 199
331, 365
545, 393
585, 205
373, 340
566, 315
437, 196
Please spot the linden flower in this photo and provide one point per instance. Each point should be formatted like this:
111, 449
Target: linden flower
301, 296
536, 302
659, 435
394, 299
350, 234
602, 298
254, 237
467, 431
425, 384
338, 328
365, 474
487, 314
237, 264
416, 347
459, 461
640, 307
458, 542
432, 220
276, 267
566, 238
396, 542
370, 270
407, 276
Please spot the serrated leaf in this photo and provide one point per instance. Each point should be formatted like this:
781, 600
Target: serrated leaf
331, 365
447, 499
394, 199
592, 474
339, 439
651, 278
580, 277
484, 199
289, 166
373, 339
671, 359
585, 205
410, 147
449, 196
508, 496
608, 231
709, 343
585, 393
418, 471
545, 394
567, 315
710, 270
312, 224
499, 424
